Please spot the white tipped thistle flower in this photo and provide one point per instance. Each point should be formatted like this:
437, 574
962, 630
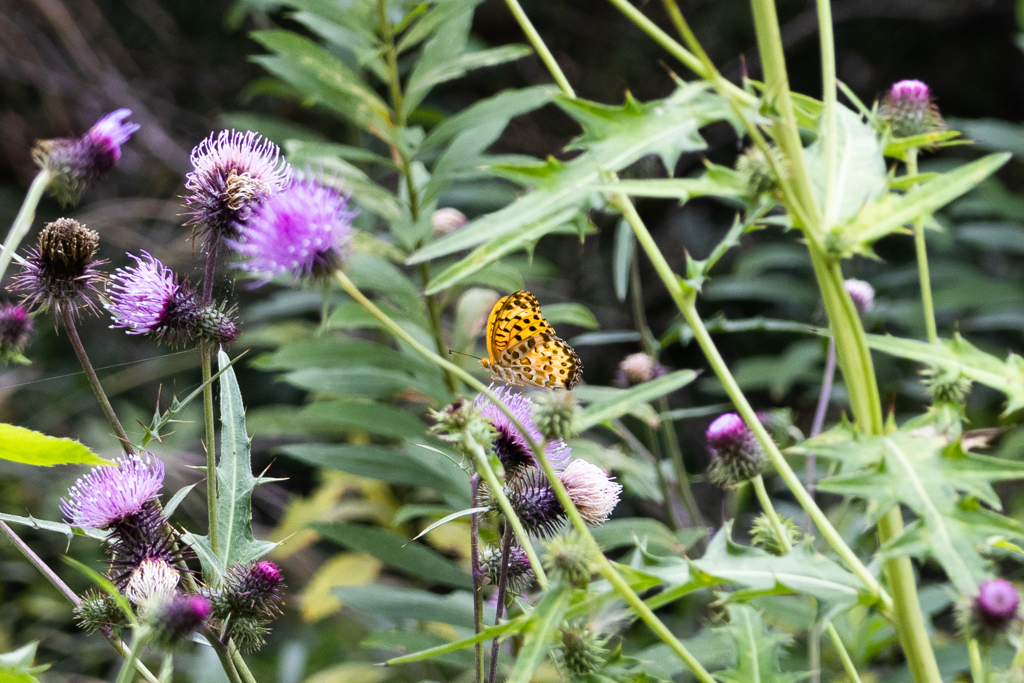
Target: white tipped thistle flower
736, 456
909, 109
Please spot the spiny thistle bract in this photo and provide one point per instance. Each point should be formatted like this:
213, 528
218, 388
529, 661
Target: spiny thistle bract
175, 618
509, 444
555, 415
736, 456
909, 109
583, 652
763, 534
945, 386
15, 332
249, 590
568, 556
757, 171
61, 271
98, 611
519, 576
638, 368
989, 613
74, 162
461, 420
535, 503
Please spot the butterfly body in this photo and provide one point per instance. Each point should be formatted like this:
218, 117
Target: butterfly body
523, 348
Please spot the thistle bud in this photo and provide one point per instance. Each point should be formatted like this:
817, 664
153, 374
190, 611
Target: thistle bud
535, 503
779, 424
989, 613
152, 580
593, 492
568, 556
945, 386
556, 415
176, 618
97, 612
74, 162
15, 332
638, 368
583, 652
460, 420
519, 576
736, 457
757, 171
61, 271
446, 221
862, 293
764, 536
249, 633
909, 109
250, 590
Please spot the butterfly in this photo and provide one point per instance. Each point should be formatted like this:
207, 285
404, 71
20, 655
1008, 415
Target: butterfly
524, 349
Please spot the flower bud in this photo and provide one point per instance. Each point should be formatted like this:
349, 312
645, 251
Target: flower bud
556, 414
460, 420
445, 221
250, 590
945, 386
583, 652
74, 162
61, 269
151, 580
764, 536
176, 618
991, 612
736, 457
638, 368
15, 332
97, 612
534, 502
862, 293
757, 171
909, 109
249, 633
568, 556
594, 493
519, 576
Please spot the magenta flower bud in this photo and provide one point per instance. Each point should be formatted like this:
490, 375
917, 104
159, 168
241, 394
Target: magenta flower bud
909, 109
234, 174
638, 368
862, 293
303, 231
15, 332
535, 503
149, 299
736, 456
593, 492
61, 271
250, 590
74, 162
509, 445
176, 618
991, 612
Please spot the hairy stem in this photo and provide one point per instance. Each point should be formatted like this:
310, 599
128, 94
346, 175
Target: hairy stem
68, 316
127, 672
239, 662
38, 563
506, 550
226, 662
23, 221
474, 559
922, 262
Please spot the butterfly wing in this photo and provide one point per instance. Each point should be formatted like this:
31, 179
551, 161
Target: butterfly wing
541, 360
513, 319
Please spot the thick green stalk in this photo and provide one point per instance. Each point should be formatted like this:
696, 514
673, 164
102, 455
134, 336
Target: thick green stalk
23, 221
211, 445
139, 639
240, 665
922, 262
604, 566
977, 666
828, 98
542, 49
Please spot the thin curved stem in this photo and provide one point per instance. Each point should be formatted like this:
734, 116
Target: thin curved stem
977, 666
542, 49
68, 317
819, 413
769, 511
23, 221
506, 549
922, 262
474, 558
211, 445
844, 656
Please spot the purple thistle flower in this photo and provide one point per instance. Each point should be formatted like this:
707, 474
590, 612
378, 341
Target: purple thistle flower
73, 162
234, 173
509, 445
862, 293
61, 271
149, 299
990, 612
535, 503
909, 109
593, 492
302, 231
520, 574
638, 368
250, 591
15, 330
178, 617
108, 495
736, 456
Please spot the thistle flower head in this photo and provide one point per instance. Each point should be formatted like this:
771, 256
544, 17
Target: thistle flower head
233, 174
15, 331
61, 271
110, 494
945, 386
149, 299
302, 231
757, 171
763, 535
74, 162
862, 293
519, 576
150, 582
583, 652
567, 555
736, 456
97, 612
510, 445
535, 503
445, 221
249, 633
556, 414
638, 368
909, 109
990, 612
249, 590
177, 617
593, 492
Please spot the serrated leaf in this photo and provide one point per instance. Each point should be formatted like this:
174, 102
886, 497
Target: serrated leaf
716, 181
757, 649
623, 401
18, 444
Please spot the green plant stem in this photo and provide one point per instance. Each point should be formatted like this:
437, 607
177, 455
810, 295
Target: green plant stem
23, 221
226, 662
211, 445
604, 566
844, 656
922, 262
828, 98
541, 48
239, 662
127, 672
68, 317
769, 511
977, 666
474, 558
499, 609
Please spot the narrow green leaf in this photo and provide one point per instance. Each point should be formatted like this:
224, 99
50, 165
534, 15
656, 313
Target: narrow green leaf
571, 314
400, 604
422, 81
449, 518
33, 448
105, 585
625, 245
626, 400
546, 618
59, 527
176, 499
513, 627
369, 416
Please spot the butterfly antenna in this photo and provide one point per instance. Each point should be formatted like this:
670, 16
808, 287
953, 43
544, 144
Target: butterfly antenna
460, 353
